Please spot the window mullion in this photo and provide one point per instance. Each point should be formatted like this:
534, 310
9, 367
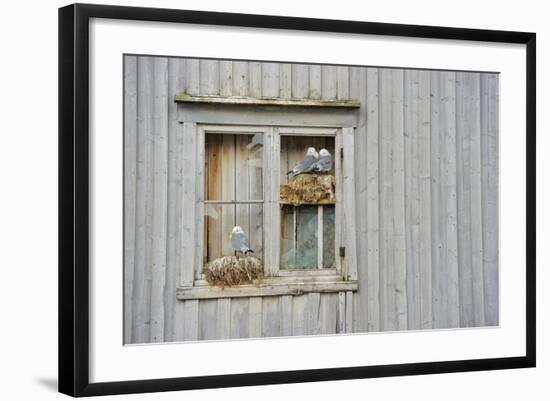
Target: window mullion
271, 205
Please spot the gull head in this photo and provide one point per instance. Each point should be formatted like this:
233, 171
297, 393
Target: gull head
311, 152
236, 230
324, 152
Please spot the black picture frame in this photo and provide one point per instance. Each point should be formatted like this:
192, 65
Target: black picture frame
74, 194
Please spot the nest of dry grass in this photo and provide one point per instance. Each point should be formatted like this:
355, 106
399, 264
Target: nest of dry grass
228, 271
317, 189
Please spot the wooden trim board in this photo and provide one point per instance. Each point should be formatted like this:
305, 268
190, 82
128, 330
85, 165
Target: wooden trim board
242, 100
263, 290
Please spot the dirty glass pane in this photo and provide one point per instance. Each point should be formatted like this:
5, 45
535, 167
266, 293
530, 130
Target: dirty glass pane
234, 167
299, 242
219, 220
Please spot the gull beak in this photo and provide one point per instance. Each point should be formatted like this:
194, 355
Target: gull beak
230, 234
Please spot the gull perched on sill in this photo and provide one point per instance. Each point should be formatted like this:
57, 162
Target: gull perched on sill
323, 163
239, 241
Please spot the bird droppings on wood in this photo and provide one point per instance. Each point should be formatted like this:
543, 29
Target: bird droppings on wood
229, 271
309, 189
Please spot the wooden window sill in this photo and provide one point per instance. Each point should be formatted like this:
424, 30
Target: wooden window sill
251, 101
269, 287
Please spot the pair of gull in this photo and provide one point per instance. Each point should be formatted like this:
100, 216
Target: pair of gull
312, 162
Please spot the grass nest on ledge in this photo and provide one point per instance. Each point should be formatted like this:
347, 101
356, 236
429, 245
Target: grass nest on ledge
309, 188
229, 271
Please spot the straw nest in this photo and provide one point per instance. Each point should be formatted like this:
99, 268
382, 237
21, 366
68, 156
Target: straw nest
307, 188
232, 270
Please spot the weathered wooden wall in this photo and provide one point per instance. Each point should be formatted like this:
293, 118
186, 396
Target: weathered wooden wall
426, 176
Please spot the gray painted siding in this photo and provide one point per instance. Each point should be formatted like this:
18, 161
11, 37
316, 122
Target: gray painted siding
426, 174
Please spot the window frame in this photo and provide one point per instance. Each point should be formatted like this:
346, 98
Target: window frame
196, 118
202, 131
271, 221
335, 133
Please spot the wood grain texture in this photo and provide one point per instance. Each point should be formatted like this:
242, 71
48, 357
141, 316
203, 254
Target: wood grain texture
300, 81
141, 294
240, 78
160, 198
130, 167
270, 80
371, 186
425, 188
489, 187
209, 77
464, 189
173, 311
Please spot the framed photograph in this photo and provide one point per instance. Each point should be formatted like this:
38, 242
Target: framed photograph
251, 199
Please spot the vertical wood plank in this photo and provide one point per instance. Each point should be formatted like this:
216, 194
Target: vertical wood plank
349, 312
208, 319
448, 109
315, 82
174, 309
141, 295
299, 315
271, 316
240, 308
398, 182
228, 182
226, 77
271, 204
328, 84
341, 326
160, 197
342, 77
255, 79
474, 127
286, 315
256, 191
424, 198
300, 81
242, 184
412, 197
328, 313
240, 78
387, 254
490, 201
285, 81
338, 213
313, 313
191, 326
213, 145
224, 318
192, 70
320, 246
349, 202
438, 219
371, 186
255, 317
209, 77
463, 202
130, 154
270, 80
199, 202
190, 197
